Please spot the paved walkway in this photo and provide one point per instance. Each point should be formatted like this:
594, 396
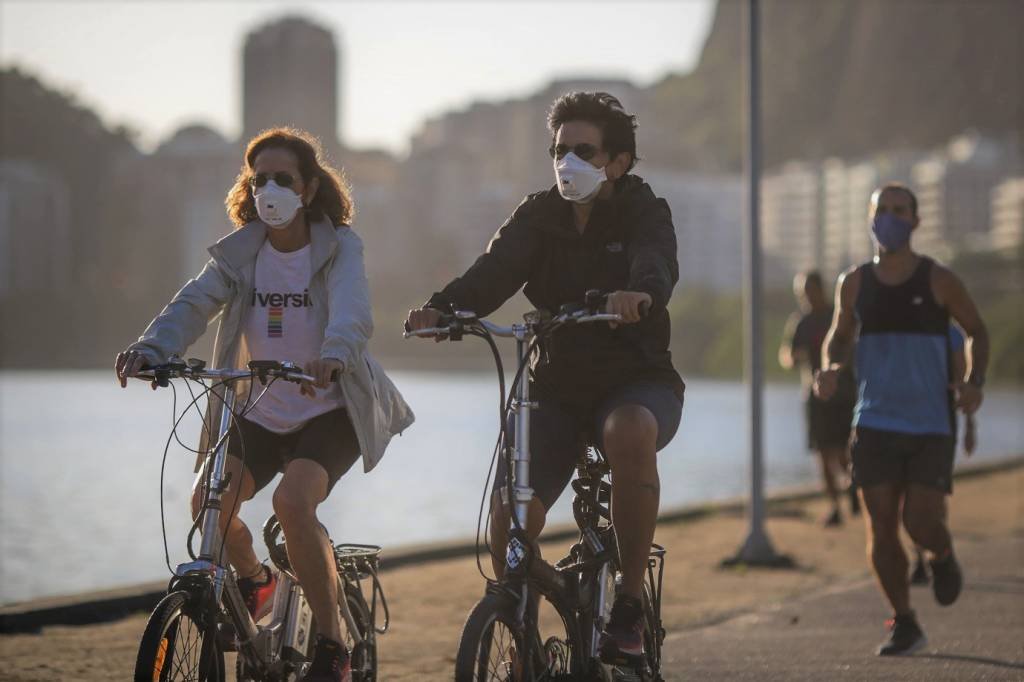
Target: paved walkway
832, 635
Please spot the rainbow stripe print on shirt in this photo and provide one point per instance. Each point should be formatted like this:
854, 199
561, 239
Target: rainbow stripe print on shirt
275, 321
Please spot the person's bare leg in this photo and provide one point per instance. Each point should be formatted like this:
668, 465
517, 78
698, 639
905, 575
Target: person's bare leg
924, 517
497, 536
302, 489
630, 443
237, 537
831, 469
885, 551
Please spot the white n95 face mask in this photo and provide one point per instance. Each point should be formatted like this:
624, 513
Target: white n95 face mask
577, 180
276, 205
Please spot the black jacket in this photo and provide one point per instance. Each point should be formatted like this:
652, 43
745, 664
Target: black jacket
629, 244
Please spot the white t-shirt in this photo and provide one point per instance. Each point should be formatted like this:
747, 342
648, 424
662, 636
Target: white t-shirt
282, 326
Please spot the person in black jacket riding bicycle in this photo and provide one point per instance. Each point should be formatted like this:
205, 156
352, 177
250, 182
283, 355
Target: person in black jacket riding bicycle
599, 227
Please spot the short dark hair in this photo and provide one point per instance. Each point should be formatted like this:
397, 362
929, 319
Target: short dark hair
618, 129
899, 186
814, 277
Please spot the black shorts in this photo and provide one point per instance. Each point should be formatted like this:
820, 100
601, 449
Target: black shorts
329, 440
892, 457
828, 423
558, 438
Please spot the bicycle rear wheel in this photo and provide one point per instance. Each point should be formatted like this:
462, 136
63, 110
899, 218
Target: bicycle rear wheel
364, 655
179, 644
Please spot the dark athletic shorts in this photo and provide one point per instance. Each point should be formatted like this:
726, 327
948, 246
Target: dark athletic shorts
893, 457
329, 440
828, 423
557, 438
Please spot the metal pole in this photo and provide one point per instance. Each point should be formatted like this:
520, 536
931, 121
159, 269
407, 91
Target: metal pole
757, 548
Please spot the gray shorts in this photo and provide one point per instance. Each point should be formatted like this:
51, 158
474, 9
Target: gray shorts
558, 438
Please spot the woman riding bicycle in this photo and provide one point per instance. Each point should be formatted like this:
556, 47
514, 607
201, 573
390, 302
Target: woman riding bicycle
599, 228
288, 284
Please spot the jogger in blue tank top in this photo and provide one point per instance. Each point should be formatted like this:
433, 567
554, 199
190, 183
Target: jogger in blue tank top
897, 308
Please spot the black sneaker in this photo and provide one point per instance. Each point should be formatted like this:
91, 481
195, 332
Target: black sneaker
920, 573
331, 662
947, 579
622, 641
905, 637
833, 520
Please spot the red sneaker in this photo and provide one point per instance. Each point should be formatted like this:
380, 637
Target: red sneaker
259, 596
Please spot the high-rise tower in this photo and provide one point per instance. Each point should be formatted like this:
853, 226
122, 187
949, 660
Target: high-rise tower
290, 77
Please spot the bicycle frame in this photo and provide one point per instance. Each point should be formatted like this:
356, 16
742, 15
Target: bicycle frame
584, 603
291, 618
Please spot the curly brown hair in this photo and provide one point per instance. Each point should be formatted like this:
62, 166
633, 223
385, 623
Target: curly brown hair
333, 198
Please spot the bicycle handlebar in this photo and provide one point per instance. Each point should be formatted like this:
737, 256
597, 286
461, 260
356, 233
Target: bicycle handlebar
195, 369
461, 318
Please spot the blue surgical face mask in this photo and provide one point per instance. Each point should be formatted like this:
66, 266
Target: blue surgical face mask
890, 232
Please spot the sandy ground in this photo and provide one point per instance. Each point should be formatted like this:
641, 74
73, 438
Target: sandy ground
429, 602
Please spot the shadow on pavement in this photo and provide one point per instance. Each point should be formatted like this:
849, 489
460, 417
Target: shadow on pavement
974, 659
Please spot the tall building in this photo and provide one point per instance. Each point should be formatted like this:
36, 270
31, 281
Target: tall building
35, 231
708, 217
954, 193
1007, 235
290, 77
791, 221
188, 179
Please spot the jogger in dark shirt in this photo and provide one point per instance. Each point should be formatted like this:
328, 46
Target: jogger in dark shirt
828, 421
598, 228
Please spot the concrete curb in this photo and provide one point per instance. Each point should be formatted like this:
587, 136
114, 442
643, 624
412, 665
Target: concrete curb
100, 607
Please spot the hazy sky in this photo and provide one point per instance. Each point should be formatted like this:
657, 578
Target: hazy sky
155, 66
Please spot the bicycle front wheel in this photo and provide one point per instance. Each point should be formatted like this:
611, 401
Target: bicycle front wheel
491, 649
179, 644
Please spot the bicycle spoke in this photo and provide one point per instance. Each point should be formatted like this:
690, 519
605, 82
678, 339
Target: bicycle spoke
505, 646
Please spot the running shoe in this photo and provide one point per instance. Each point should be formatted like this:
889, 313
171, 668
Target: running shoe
258, 596
905, 636
622, 641
947, 579
833, 520
331, 662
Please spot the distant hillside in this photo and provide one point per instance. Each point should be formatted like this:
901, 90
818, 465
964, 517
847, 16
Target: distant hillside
847, 77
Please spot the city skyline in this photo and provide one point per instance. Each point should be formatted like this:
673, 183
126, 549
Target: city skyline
193, 73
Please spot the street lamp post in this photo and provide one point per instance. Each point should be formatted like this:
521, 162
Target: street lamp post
757, 548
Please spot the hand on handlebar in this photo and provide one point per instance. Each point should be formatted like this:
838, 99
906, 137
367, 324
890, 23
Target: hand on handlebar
324, 370
128, 364
631, 306
423, 318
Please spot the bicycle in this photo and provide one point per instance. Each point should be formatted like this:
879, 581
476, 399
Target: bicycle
204, 614
501, 639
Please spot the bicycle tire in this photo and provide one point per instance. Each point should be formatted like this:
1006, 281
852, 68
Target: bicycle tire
162, 642
477, 659
364, 656
652, 642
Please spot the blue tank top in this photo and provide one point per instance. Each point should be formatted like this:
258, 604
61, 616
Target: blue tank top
903, 355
